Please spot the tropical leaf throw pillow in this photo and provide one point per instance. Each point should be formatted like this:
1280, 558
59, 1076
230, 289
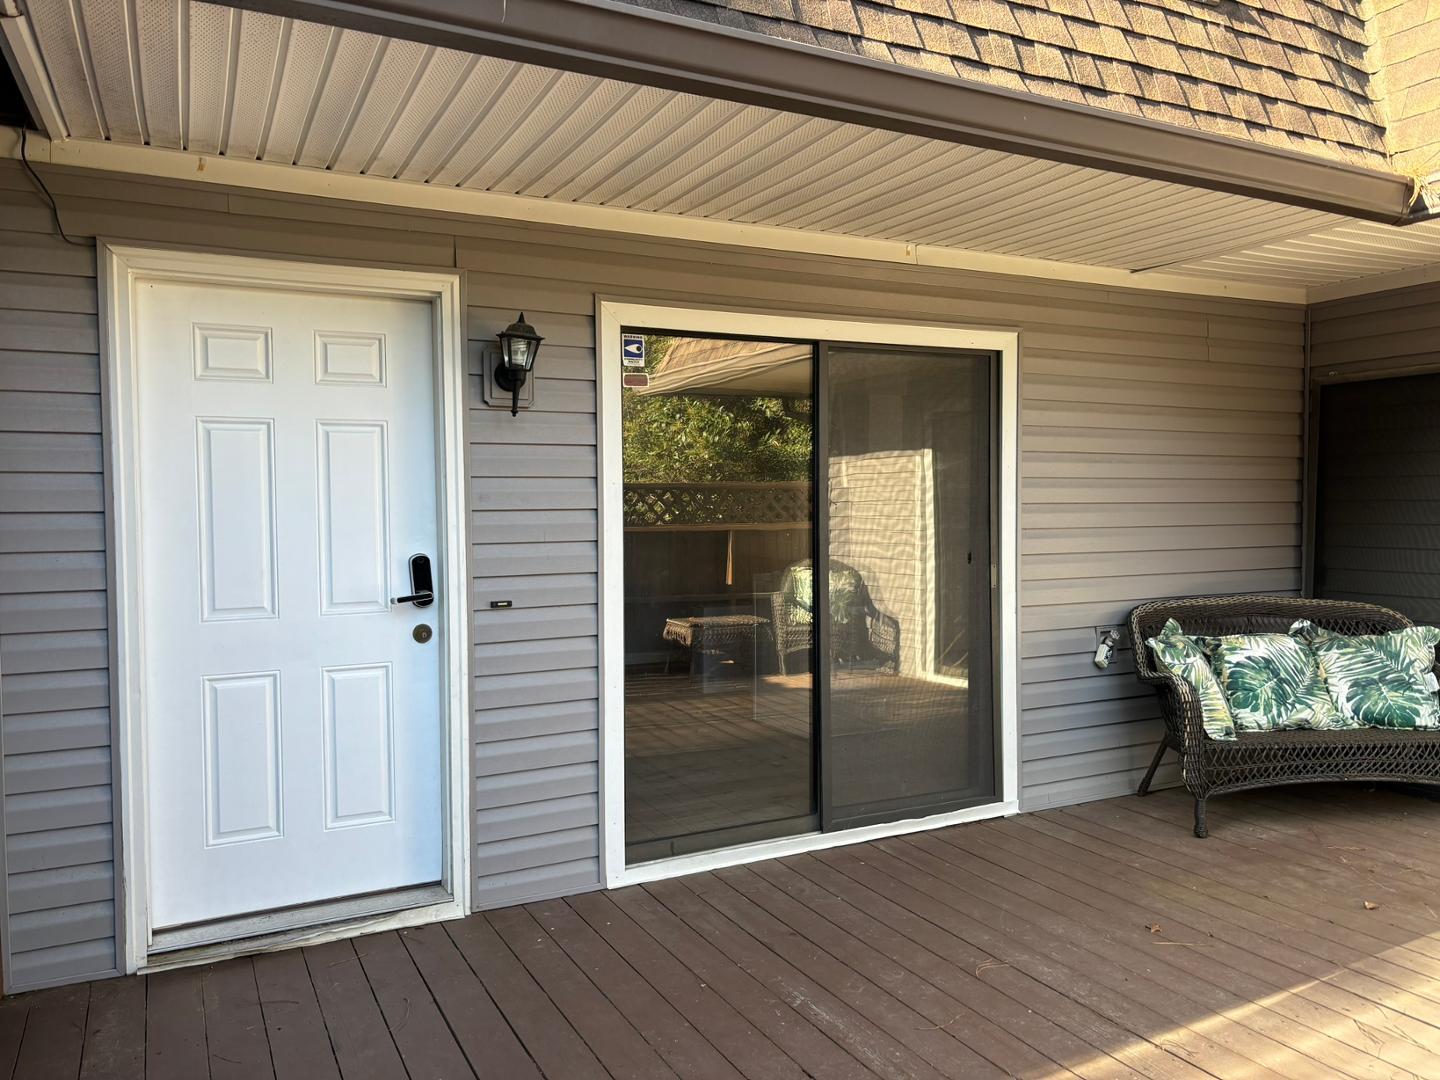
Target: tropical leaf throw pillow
847, 594
1273, 683
1182, 656
1379, 680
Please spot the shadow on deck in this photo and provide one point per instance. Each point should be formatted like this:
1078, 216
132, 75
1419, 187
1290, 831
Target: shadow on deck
1301, 940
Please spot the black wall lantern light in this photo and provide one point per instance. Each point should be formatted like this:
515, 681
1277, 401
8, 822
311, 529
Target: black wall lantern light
519, 344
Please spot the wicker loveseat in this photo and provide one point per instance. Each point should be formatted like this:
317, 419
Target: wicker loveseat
1267, 759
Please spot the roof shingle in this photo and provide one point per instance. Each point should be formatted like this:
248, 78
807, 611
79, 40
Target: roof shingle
1292, 73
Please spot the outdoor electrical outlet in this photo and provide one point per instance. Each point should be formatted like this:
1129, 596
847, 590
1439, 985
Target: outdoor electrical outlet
1108, 640
1119, 631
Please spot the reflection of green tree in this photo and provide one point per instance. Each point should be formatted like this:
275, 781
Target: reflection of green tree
696, 439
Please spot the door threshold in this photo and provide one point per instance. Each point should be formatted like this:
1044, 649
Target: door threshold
677, 865
302, 924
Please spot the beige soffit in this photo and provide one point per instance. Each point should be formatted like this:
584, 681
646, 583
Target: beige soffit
1354, 250
618, 41
728, 366
254, 86
297, 106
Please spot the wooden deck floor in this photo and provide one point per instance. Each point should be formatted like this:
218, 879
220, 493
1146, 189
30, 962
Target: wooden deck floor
1301, 940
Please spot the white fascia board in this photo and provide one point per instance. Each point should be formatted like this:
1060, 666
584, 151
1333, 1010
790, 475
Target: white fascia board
404, 194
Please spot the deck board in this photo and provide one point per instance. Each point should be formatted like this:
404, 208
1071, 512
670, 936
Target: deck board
490, 1046
1049, 1022
175, 1046
1292, 953
1237, 929
611, 1037
234, 1025
684, 1049
54, 1033
756, 1000
114, 1031
942, 1012
1226, 976
916, 1036
1159, 869
14, 1013
421, 1034
299, 1044
749, 1051
1140, 1007
1099, 942
1302, 876
363, 1043
866, 1042
547, 1034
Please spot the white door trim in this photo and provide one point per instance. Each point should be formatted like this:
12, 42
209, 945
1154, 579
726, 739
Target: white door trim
121, 268
611, 316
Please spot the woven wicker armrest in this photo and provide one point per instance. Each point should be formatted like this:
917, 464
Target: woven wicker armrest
885, 636
1184, 720
1179, 702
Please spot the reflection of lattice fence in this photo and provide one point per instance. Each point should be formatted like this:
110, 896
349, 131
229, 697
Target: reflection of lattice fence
662, 505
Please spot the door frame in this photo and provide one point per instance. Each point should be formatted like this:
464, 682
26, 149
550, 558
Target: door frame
1314, 436
614, 314
121, 268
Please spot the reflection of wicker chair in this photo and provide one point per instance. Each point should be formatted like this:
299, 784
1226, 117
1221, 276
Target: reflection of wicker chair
860, 633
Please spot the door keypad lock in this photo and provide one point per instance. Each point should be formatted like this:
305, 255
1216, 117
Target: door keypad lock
422, 584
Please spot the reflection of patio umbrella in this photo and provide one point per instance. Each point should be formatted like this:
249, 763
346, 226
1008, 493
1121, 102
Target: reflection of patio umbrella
723, 366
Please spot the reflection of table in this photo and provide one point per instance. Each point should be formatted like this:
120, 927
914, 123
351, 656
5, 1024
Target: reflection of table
713, 638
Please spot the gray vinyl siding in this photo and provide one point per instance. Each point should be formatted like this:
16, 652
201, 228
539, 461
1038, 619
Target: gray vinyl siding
1388, 333
1161, 456
1161, 442
54, 649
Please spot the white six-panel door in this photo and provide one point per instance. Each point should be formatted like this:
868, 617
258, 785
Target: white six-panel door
294, 737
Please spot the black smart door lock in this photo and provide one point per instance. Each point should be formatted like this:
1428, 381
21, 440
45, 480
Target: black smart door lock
422, 585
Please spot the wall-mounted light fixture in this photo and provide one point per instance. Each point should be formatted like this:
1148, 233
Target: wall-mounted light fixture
519, 344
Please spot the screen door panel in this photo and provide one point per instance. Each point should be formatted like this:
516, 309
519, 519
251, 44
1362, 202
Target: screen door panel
907, 708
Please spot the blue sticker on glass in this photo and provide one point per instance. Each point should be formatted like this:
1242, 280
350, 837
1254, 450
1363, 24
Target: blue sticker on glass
632, 350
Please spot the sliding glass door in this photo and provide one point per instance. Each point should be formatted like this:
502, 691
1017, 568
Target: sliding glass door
719, 439
808, 559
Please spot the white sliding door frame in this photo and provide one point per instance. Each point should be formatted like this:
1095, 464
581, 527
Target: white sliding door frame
613, 315
122, 268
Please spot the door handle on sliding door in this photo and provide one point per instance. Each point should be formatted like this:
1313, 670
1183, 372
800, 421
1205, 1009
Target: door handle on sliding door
422, 585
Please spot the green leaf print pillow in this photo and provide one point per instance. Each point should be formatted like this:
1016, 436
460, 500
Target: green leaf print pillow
1182, 656
1379, 680
1272, 683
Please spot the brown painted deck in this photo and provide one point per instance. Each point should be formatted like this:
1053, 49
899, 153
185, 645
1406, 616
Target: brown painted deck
1302, 939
